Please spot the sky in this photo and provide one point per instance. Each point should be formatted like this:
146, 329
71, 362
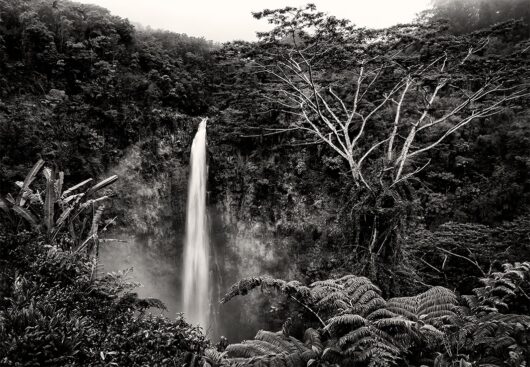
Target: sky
229, 20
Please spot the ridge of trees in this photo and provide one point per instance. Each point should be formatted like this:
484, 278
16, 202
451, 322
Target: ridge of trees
79, 86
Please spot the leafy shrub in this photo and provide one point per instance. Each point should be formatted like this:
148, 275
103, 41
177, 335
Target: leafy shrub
55, 313
54, 308
58, 210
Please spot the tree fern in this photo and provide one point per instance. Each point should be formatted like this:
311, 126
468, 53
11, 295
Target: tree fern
499, 288
483, 330
435, 306
268, 349
354, 312
359, 325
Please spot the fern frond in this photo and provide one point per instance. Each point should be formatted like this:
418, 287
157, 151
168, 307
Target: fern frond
372, 306
500, 343
470, 301
439, 317
274, 349
332, 354
507, 318
394, 323
380, 313
251, 348
214, 357
350, 320
328, 283
431, 331
286, 344
241, 350
385, 354
367, 297
353, 336
398, 309
353, 283
433, 306
312, 340
332, 300
247, 284
321, 289
357, 291
405, 306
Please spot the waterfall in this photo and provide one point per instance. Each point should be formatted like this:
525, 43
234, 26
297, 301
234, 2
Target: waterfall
196, 290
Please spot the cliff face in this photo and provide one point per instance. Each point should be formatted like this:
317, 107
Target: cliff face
265, 218
150, 209
272, 214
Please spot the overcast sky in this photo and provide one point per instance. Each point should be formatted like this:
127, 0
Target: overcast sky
228, 20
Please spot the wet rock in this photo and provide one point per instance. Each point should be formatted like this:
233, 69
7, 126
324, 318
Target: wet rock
56, 95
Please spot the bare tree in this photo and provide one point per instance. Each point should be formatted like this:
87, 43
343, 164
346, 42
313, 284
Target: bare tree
381, 100
342, 122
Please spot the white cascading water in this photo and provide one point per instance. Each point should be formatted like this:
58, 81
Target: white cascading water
196, 292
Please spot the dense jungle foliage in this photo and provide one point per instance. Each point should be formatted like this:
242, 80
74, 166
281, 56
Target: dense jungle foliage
389, 170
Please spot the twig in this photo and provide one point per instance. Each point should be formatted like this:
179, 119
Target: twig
310, 310
465, 258
430, 266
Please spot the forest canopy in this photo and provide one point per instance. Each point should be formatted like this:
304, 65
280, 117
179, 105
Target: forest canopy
379, 179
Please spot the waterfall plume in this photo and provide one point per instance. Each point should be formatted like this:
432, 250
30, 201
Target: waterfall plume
196, 289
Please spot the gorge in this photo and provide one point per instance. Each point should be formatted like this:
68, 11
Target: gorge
355, 197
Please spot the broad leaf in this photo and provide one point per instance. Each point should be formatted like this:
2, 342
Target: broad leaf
28, 180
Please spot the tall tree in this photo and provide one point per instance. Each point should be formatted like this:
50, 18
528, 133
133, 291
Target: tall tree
380, 100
